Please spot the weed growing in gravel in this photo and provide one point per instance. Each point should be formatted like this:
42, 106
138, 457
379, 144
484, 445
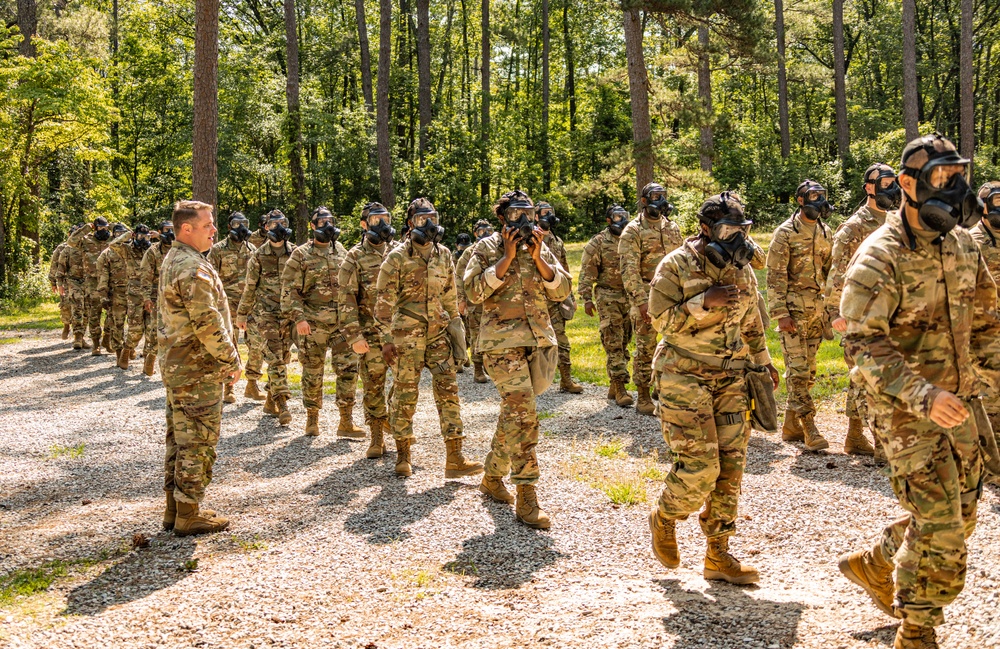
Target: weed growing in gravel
611, 449
29, 581
71, 452
652, 470
546, 414
250, 546
465, 568
628, 492
9, 341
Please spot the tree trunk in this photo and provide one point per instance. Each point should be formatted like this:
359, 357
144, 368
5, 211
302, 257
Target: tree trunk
294, 124
484, 124
910, 98
386, 190
115, 94
570, 67
779, 27
366, 56
206, 101
967, 130
705, 153
423, 73
638, 88
546, 161
27, 23
839, 81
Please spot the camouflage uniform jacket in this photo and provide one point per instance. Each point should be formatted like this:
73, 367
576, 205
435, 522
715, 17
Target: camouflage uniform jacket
919, 320
516, 306
257, 238
846, 240
73, 262
460, 266
309, 283
230, 261
987, 240
642, 244
194, 323
797, 263
262, 293
676, 306
416, 298
57, 266
557, 247
118, 267
85, 241
149, 270
600, 265
356, 302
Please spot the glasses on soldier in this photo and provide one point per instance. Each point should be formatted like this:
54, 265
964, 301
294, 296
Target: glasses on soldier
941, 176
514, 214
377, 218
421, 218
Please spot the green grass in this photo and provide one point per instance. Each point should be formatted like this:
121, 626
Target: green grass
610, 449
625, 492
31, 581
72, 452
43, 316
9, 341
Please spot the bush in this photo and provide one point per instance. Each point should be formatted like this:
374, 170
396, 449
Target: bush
25, 290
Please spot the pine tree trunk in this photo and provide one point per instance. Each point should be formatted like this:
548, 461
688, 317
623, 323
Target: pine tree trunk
779, 28
638, 87
546, 161
423, 73
485, 116
27, 24
911, 101
386, 190
293, 125
967, 130
206, 101
706, 145
839, 81
366, 56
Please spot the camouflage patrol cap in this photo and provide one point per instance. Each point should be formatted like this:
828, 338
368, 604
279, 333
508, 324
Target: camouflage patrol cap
419, 205
372, 208
100, 222
876, 171
726, 206
652, 187
934, 149
482, 223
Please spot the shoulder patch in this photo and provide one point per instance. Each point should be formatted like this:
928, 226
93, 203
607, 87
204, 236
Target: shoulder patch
204, 275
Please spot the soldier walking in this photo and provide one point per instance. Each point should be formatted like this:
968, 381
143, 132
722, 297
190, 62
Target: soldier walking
118, 270
547, 221
90, 241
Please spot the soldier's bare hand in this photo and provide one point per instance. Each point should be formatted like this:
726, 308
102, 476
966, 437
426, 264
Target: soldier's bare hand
303, 328
361, 347
787, 325
233, 377
62, 291
948, 411
509, 242
389, 354
535, 243
839, 324
644, 313
241, 323
147, 306
589, 308
462, 308
773, 371
55, 289
721, 296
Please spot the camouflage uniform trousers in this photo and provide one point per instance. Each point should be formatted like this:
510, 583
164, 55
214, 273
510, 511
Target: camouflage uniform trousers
414, 356
616, 330
115, 322
799, 351
343, 360
992, 405
856, 406
645, 347
512, 449
66, 307
474, 314
194, 416
141, 325
96, 305
255, 350
936, 474
373, 371
276, 346
78, 301
559, 327
705, 427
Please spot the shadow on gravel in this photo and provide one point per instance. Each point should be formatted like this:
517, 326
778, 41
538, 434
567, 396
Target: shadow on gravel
763, 454
386, 516
728, 616
32, 362
508, 557
883, 636
138, 575
836, 467
297, 454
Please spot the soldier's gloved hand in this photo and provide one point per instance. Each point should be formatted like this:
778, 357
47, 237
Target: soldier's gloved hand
947, 411
787, 325
147, 306
839, 324
589, 308
721, 296
773, 371
361, 347
303, 328
241, 322
389, 354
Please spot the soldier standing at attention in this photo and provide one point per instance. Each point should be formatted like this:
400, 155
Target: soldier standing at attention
473, 312
197, 357
229, 257
703, 300
57, 280
91, 240
118, 269
417, 302
73, 260
921, 316
882, 194
255, 345
309, 292
797, 265
261, 301
601, 290
149, 278
356, 304
515, 277
547, 221
642, 244
141, 324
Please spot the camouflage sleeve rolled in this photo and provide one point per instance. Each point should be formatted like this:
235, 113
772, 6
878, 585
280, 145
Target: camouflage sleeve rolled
871, 296
986, 327
292, 300
347, 300
449, 299
669, 311
629, 251
752, 330
387, 287
209, 325
249, 297
590, 265
561, 285
77, 237
777, 275
759, 256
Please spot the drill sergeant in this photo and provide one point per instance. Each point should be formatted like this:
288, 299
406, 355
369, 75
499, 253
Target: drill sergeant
797, 265
229, 257
642, 244
417, 302
356, 303
473, 312
547, 221
149, 280
602, 291
91, 240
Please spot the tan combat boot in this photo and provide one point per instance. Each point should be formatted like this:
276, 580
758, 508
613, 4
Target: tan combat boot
622, 397
312, 422
149, 364
527, 510
269, 406
123, 357
495, 489
170, 512
191, 521
65, 333
455, 464
664, 540
870, 570
346, 427
856, 442
460, 369
281, 405
96, 349
645, 404
78, 342
479, 374
612, 391
228, 396
566, 383
814, 441
909, 636
722, 566
376, 449
791, 429
252, 391
403, 466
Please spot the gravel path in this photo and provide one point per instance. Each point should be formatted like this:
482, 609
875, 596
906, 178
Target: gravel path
329, 549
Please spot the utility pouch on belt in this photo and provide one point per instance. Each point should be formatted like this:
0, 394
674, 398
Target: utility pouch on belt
987, 440
567, 308
456, 336
760, 393
542, 363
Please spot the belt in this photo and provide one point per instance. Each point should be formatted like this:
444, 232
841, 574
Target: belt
712, 361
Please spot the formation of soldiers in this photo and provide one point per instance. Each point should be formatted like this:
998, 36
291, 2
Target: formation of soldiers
907, 280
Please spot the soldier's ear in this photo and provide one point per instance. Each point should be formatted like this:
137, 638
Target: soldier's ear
908, 183
800, 200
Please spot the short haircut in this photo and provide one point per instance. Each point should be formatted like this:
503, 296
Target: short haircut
187, 211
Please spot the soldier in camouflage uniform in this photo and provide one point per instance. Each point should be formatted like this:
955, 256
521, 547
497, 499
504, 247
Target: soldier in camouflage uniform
920, 306
198, 356
462, 243
882, 194
642, 244
985, 234
515, 277
547, 221
90, 241
473, 312
141, 324
601, 289
229, 257
356, 304
118, 268
255, 344
417, 302
261, 302
797, 265
73, 262
149, 280
57, 280
309, 291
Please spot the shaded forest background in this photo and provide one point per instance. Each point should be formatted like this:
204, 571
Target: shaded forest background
576, 101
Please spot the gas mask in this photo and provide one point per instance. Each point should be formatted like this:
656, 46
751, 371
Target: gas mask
424, 228
167, 236
140, 240
118, 230
379, 228
814, 205
657, 205
102, 234
520, 216
992, 202
482, 232
547, 219
278, 232
888, 194
619, 219
729, 237
239, 230
945, 200
326, 233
